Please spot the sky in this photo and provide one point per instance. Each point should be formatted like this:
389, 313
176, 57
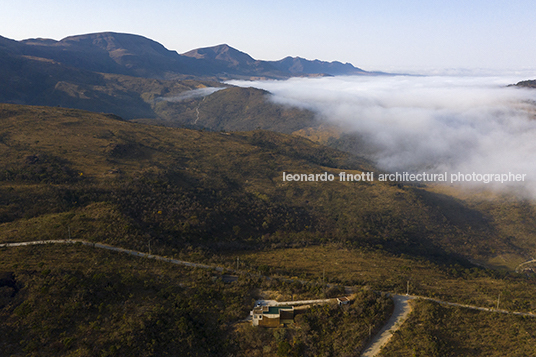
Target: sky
383, 35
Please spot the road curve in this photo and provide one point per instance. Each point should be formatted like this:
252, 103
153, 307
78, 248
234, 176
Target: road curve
527, 262
400, 314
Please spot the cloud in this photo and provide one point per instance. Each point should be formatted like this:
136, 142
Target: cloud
191, 94
434, 123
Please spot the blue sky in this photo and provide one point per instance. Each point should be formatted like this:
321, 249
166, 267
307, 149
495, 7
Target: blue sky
373, 35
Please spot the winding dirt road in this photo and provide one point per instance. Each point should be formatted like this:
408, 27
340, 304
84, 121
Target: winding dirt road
400, 314
401, 310
525, 263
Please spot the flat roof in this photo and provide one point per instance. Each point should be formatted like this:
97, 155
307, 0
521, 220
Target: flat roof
275, 309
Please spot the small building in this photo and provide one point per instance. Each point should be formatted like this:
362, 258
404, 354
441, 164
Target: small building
272, 316
343, 301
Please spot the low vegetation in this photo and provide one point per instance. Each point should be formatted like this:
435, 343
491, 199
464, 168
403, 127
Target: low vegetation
213, 197
63, 300
436, 330
381, 271
323, 330
76, 300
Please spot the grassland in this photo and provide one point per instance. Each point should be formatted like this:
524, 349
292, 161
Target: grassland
75, 300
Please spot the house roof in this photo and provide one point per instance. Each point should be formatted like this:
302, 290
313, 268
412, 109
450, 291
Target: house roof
271, 310
276, 309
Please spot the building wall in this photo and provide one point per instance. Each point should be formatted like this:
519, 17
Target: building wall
270, 322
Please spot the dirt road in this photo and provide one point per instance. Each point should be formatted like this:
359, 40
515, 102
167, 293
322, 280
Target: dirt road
400, 314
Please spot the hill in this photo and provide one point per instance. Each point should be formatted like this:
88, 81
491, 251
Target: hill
110, 52
115, 73
213, 197
39, 81
193, 179
137, 78
526, 84
234, 62
229, 62
230, 109
167, 102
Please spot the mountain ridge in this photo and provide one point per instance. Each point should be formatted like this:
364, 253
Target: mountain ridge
110, 52
130, 54
302, 65
116, 73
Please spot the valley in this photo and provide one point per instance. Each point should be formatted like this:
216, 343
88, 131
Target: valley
111, 140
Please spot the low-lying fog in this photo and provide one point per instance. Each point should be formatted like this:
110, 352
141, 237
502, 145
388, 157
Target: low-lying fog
427, 123
191, 94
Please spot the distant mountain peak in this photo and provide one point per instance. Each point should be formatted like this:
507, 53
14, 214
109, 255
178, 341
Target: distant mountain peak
299, 65
115, 41
135, 55
39, 41
222, 52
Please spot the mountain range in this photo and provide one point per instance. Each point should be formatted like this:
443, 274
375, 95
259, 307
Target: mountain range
127, 74
134, 55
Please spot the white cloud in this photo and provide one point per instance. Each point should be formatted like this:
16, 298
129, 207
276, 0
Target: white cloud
434, 123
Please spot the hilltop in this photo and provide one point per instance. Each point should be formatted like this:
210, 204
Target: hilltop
531, 83
298, 65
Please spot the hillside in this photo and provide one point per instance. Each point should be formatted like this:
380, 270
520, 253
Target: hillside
109, 52
137, 78
62, 73
229, 62
526, 84
231, 109
98, 162
448, 331
213, 197
39, 81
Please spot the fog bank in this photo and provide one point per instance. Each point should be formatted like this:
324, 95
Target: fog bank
433, 123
